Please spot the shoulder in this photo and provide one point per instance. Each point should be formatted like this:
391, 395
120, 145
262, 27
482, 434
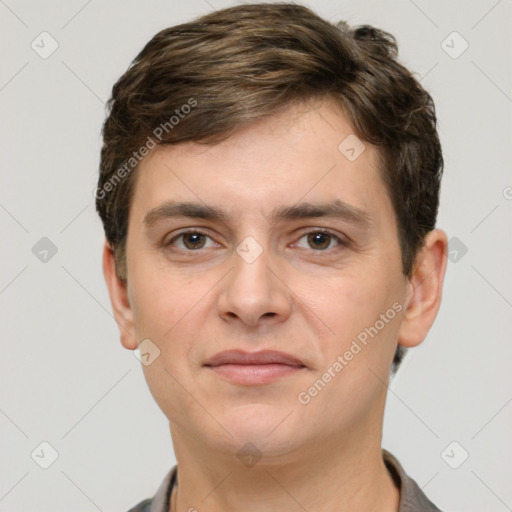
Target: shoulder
160, 501
143, 506
412, 498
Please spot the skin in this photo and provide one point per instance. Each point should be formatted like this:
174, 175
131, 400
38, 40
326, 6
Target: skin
305, 297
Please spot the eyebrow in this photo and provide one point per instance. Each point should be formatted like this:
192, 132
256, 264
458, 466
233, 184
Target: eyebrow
336, 209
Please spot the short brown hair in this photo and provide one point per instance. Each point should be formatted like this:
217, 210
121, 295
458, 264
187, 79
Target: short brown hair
236, 65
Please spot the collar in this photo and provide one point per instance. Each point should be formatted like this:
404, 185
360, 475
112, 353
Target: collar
412, 498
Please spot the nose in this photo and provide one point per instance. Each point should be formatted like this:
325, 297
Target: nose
254, 292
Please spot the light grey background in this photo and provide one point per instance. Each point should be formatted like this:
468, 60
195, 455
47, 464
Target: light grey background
64, 376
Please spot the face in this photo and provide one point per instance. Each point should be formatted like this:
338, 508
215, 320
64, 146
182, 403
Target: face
292, 246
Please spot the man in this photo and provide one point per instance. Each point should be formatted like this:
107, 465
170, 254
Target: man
269, 188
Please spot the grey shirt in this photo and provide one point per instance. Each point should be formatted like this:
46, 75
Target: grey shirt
412, 498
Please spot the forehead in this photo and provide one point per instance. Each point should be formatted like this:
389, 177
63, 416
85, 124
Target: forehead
306, 153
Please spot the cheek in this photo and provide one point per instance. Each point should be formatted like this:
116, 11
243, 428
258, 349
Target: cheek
350, 301
160, 298
171, 308
362, 311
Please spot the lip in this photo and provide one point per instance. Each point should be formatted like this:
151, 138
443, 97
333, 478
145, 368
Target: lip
253, 358
256, 368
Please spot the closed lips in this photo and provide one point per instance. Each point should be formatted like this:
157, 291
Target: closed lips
265, 357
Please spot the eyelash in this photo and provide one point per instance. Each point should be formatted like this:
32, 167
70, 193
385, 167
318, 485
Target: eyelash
341, 242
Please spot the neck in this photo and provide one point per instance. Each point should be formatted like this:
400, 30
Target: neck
334, 476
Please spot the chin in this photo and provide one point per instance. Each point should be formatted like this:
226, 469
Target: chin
268, 427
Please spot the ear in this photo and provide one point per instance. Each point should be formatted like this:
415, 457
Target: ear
424, 290
118, 291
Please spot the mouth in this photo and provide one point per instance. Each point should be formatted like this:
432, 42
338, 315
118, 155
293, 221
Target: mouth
252, 369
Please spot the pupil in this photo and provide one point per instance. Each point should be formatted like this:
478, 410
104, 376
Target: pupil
318, 237
193, 239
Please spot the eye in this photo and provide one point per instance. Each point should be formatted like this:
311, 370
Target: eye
191, 240
321, 240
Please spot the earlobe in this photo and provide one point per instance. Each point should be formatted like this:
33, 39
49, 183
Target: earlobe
424, 290
119, 299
